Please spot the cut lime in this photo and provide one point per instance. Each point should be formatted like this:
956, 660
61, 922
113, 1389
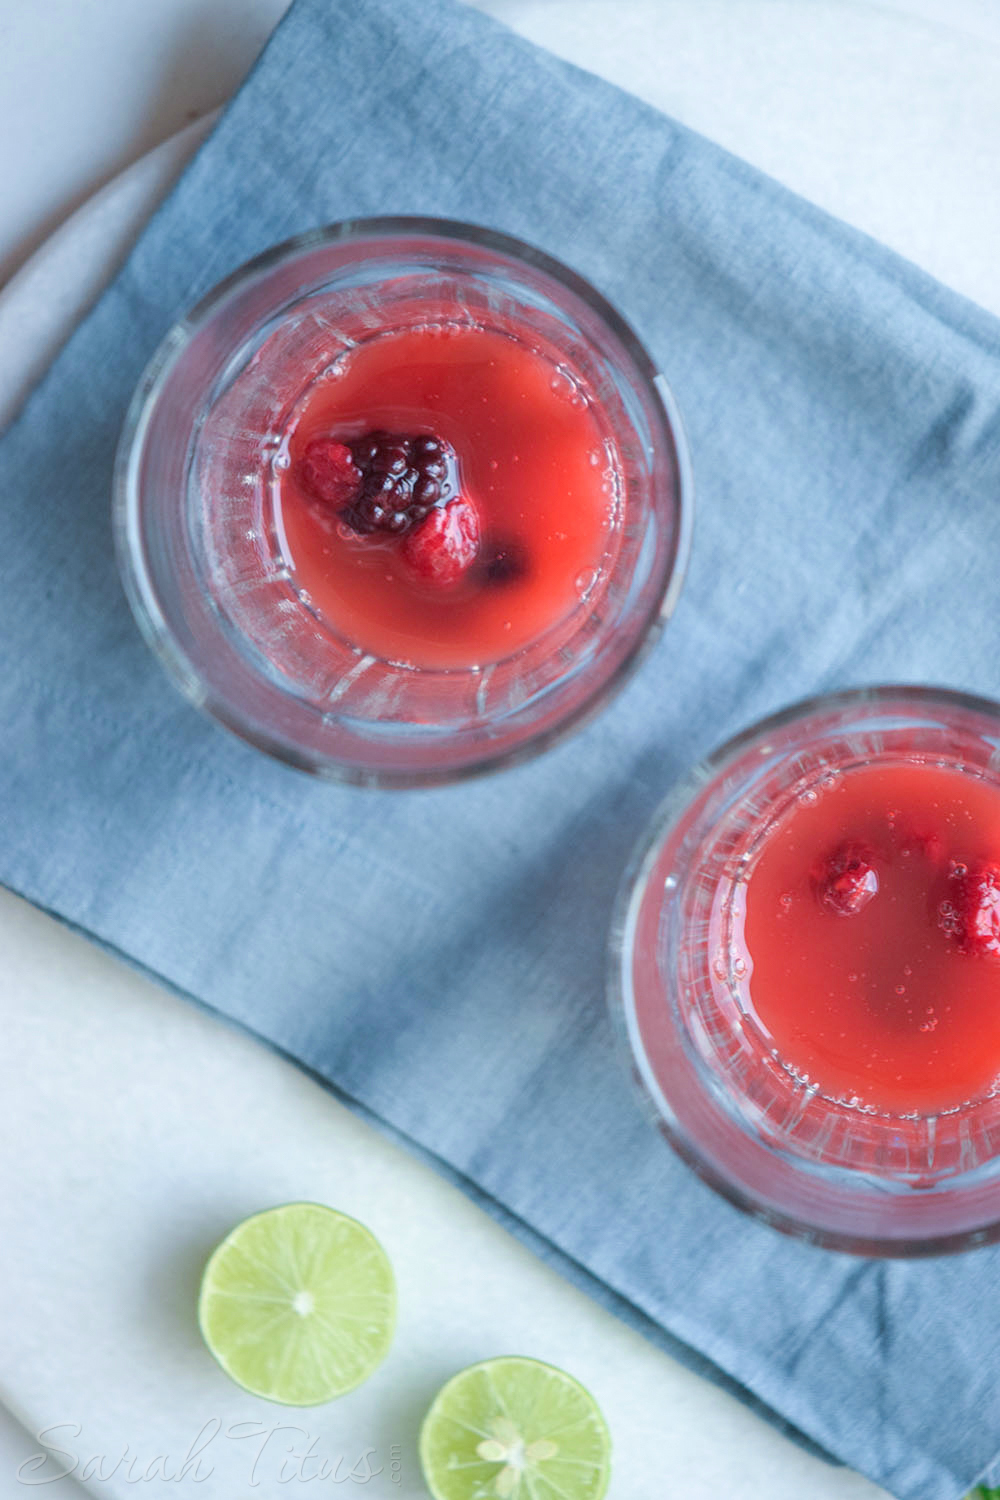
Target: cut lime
298, 1304
515, 1429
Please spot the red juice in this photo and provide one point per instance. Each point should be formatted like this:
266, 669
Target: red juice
532, 456
872, 936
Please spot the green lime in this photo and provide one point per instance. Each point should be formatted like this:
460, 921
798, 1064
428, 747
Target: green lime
518, 1430
298, 1304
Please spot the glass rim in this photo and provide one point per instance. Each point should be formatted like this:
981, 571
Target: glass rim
631, 890
143, 596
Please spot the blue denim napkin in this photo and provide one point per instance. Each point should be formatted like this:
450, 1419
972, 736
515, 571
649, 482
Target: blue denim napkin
438, 956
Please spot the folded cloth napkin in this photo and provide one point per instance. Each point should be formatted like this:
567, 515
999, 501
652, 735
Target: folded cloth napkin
438, 956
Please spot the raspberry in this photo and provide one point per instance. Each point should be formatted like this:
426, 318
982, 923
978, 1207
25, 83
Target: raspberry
402, 478
444, 545
847, 880
970, 912
328, 472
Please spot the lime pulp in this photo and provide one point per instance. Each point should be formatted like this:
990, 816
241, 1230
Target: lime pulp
515, 1429
298, 1304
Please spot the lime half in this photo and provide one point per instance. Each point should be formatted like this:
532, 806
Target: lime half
298, 1304
515, 1429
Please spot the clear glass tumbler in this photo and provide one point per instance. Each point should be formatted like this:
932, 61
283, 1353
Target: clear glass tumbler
823, 1166
194, 522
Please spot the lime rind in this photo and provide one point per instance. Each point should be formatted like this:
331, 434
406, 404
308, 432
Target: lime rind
514, 1428
298, 1304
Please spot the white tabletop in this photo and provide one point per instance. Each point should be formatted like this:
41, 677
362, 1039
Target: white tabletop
137, 1129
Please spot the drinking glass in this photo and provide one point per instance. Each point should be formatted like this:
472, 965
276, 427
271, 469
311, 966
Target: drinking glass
194, 505
832, 1170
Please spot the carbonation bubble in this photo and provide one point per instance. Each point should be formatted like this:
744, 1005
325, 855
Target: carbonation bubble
584, 582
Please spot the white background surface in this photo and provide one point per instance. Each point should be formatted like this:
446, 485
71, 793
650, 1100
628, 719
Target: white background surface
135, 1130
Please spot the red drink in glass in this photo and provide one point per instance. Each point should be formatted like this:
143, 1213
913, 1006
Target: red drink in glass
807, 970
534, 459
422, 654
872, 937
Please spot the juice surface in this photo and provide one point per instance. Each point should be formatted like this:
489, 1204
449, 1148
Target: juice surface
534, 456
896, 1003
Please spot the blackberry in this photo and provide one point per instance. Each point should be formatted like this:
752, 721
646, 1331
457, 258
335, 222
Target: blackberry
503, 561
402, 478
